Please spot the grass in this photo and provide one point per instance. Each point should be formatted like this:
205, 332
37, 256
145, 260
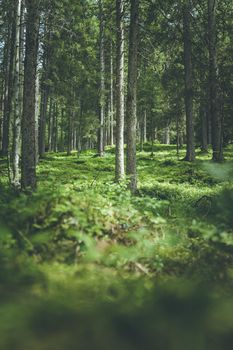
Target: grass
110, 270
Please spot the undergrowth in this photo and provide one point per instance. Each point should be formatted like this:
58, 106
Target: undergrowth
80, 234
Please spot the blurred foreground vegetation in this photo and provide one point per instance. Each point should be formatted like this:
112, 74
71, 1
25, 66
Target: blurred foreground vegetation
86, 265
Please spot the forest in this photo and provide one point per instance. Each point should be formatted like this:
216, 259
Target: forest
116, 174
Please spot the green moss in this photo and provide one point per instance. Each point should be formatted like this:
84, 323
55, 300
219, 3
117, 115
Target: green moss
90, 257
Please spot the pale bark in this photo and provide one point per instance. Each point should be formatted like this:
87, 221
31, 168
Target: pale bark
50, 121
15, 115
167, 135
120, 111
111, 100
69, 135
102, 83
37, 112
61, 148
145, 127
53, 127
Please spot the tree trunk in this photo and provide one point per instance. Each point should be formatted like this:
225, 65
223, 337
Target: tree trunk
120, 110
204, 128
42, 122
213, 84
28, 121
190, 150
15, 114
112, 98
50, 126
43, 106
61, 130
167, 135
53, 125
209, 132
177, 136
69, 135
37, 112
102, 83
145, 127
141, 130
131, 110
10, 49
1, 111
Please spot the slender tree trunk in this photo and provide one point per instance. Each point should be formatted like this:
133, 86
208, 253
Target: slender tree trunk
177, 136
15, 115
190, 151
152, 135
167, 135
213, 83
50, 124
209, 128
102, 82
42, 121
138, 131
131, 111
61, 130
120, 110
28, 121
37, 112
145, 127
8, 82
141, 130
108, 126
5, 72
204, 128
22, 54
1, 112
80, 136
69, 135
111, 99
53, 125
43, 106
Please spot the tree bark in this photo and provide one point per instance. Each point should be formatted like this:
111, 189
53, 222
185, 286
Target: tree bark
204, 127
28, 121
37, 113
102, 83
10, 48
53, 125
15, 114
111, 99
190, 150
50, 123
120, 110
69, 135
131, 110
145, 127
167, 135
213, 83
43, 106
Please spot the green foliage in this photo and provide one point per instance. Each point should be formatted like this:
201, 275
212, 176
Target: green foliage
90, 258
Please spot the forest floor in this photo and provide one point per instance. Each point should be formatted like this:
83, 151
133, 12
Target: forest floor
85, 262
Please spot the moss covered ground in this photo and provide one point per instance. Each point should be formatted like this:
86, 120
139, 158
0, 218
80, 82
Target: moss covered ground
86, 265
